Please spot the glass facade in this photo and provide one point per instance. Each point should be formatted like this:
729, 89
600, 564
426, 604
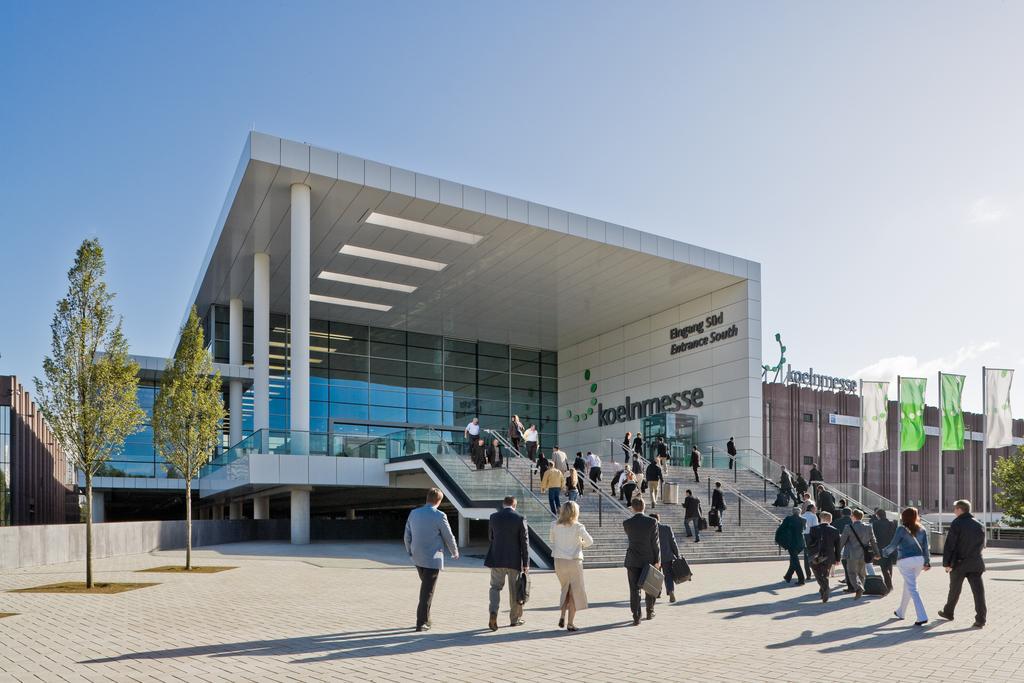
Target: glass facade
5, 465
364, 380
138, 458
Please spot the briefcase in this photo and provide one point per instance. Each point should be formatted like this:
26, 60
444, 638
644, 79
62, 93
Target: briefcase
703, 523
681, 570
712, 517
523, 588
652, 581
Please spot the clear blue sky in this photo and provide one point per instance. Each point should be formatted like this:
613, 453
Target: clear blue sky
869, 155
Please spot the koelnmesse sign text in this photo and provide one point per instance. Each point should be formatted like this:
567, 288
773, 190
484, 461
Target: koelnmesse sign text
681, 400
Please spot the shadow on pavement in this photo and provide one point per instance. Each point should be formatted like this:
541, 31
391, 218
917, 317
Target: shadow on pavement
886, 634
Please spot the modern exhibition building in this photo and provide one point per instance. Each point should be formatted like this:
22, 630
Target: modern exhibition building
361, 315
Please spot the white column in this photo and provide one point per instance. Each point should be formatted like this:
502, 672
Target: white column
300, 516
98, 506
235, 510
261, 341
299, 318
235, 358
463, 531
261, 507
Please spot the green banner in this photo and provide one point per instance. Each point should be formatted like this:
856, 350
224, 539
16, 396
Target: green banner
912, 413
952, 415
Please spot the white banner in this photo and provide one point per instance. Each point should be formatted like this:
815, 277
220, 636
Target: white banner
874, 413
998, 418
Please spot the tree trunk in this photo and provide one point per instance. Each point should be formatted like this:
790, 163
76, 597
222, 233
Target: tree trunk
188, 525
88, 530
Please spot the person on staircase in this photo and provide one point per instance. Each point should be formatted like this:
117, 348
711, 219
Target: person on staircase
800, 485
594, 467
695, 462
543, 465
661, 453
669, 553
532, 439
654, 477
551, 483
619, 478
692, 515
559, 459
816, 477
730, 448
718, 503
477, 454
629, 487
786, 487
515, 434
790, 536
826, 502
627, 446
638, 446
580, 465
572, 484
472, 433
494, 455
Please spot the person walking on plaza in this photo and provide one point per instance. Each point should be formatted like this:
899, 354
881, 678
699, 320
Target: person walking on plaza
638, 445
427, 534
692, 515
695, 463
815, 474
844, 521
718, 503
654, 478
552, 483
824, 552
730, 448
669, 552
472, 433
494, 455
508, 556
559, 459
661, 451
515, 433
810, 521
572, 484
858, 542
884, 529
790, 535
644, 549
594, 466
962, 559
628, 489
910, 543
568, 540
532, 439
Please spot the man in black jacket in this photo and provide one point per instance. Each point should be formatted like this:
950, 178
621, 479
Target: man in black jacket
826, 501
644, 549
508, 556
962, 559
654, 477
669, 552
730, 448
786, 485
718, 503
815, 473
824, 540
494, 455
884, 530
692, 516
844, 521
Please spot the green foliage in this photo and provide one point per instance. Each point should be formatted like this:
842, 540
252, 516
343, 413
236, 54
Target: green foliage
189, 408
1008, 475
87, 393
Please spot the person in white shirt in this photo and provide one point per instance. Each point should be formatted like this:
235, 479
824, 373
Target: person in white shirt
560, 460
810, 521
619, 477
472, 433
532, 439
594, 466
568, 539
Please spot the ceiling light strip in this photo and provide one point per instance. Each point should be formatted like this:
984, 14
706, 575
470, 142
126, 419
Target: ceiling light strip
363, 252
365, 281
320, 298
421, 228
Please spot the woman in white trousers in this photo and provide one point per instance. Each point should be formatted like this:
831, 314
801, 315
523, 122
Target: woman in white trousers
910, 543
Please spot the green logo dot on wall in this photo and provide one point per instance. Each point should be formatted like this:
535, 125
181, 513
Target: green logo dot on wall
584, 413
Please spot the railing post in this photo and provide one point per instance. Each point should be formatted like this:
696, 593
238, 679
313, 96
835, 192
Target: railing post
765, 482
739, 511
600, 510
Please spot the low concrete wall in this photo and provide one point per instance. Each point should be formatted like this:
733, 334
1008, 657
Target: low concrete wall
33, 546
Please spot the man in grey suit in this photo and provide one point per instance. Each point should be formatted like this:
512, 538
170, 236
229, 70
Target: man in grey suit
427, 534
644, 549
508, 556
856, 537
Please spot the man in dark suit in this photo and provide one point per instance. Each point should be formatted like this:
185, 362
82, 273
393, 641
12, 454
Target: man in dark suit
826, 501
730, 448
962, 559
884, 530
669, 552
815, 473
718, 503
844, 521
824, 540
494, 454
508, 556
644, 549
654, 478
790, 535
786, 485
692, 515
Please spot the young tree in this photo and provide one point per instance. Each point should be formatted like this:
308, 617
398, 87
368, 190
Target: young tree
87, 393
1008, 475
187, 414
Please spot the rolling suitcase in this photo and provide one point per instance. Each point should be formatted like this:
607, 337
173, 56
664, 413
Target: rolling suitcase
652, 581
713, 516
873, 583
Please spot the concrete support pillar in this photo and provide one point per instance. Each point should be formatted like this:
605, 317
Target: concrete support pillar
300, 516
463, 531
261, 507
235, 510
218, 511
99, 512
299, 318
261, 341
235, 358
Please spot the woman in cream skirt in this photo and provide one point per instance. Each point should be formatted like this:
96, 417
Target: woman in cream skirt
568, 539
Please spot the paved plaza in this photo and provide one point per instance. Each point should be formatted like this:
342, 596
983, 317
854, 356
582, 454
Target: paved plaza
344, 612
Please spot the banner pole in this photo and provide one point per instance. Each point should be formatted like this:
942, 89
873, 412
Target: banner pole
899, 441
861, 440
942, 470
984, 446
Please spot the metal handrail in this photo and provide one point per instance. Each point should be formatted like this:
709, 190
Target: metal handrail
504, 442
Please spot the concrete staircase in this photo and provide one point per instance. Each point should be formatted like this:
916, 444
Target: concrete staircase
751, 540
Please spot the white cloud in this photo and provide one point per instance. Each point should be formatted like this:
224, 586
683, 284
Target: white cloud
887, 369
985, 210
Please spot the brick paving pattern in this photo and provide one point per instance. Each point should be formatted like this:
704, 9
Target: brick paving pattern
343, 612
